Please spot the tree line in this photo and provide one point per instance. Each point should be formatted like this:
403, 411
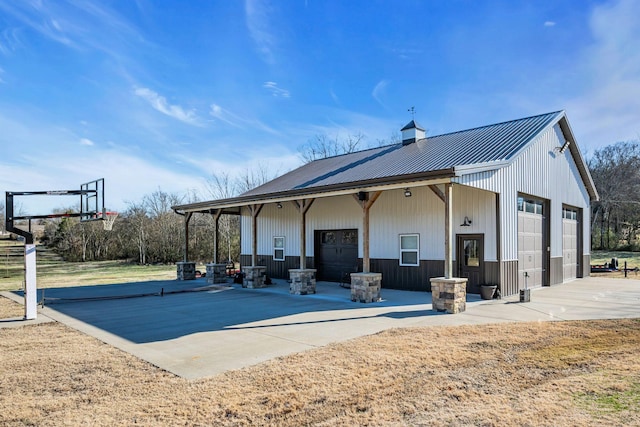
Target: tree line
615, 218
148, 231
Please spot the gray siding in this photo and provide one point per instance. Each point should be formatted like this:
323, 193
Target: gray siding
509, 278
556, 274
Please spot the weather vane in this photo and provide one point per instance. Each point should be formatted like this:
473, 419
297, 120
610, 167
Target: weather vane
412, 110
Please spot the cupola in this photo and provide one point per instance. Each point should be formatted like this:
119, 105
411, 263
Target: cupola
412, 132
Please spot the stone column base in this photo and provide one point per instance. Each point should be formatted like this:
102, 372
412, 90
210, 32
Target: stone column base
186, 270
449, 295
365, 287
254, 277
216, 273
303, 281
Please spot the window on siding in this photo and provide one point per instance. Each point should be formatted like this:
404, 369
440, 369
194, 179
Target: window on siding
568, 213
278, 248
409, 250
530, 206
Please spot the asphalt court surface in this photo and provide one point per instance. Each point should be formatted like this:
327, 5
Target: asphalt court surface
196, 331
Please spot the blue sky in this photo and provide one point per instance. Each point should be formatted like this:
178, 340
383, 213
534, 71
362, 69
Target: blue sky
161, 94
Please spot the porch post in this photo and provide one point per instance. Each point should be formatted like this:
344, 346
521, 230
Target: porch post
255, 211
448, 231
187, 218
303, 206
216, 236
366, 206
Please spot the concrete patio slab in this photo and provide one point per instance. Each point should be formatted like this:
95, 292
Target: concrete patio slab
200, 334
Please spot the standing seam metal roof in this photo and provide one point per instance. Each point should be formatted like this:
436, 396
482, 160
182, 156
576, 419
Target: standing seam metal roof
492, 143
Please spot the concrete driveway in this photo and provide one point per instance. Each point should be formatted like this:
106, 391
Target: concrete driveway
200, 334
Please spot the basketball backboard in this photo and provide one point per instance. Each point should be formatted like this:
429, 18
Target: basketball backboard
92, 200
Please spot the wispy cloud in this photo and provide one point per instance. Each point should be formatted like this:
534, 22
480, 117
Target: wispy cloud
224, 115
238, 121
549, 24
257, 14
76, 25
609, 106
87, 142
9, 40
378, 91
276, 91
334, 97
160, 103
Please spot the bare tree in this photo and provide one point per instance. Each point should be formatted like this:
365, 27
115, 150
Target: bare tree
322, 146
616, 173
252, 178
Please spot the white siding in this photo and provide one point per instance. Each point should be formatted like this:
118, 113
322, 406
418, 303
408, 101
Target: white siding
391, 215
541, 172
394, 214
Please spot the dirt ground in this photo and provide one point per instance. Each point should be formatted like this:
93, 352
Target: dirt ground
545, 373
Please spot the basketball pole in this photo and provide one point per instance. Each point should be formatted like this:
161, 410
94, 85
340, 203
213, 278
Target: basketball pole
91, 203
30, 288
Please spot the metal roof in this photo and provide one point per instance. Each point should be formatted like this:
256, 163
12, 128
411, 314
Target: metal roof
493, 143
429, 158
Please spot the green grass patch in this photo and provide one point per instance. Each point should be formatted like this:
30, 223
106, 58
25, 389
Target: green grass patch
613, 400
602, 257
53, 271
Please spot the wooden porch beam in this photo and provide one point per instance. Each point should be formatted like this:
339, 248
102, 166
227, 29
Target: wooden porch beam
255, 211
448, 231
438, 192
366, 206
187, 218
303, 206
216, 213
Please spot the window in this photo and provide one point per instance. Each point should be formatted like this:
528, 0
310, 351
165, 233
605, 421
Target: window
278, 248
568, 213
471, 252
530, 205
409, 250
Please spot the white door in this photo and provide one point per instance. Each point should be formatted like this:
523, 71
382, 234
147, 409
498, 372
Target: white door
530, 245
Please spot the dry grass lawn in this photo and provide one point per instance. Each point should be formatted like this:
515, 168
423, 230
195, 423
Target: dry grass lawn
547, 373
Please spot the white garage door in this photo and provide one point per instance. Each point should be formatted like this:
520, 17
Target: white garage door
569, 244
530, 241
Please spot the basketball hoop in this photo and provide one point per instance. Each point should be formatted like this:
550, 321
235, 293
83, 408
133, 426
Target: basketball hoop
108, 219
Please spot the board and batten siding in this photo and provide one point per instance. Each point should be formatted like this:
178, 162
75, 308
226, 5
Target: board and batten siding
541, 172
391, 215
333, 213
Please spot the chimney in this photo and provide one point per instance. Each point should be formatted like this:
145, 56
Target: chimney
412, 132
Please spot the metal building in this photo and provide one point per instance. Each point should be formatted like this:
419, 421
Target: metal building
505, 204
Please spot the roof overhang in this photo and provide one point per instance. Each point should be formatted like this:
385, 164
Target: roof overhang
583, 169
233, 205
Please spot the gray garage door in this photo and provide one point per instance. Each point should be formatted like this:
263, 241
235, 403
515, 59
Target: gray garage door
569, 244
530, 243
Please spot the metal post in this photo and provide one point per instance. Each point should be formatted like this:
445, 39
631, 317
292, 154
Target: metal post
30, 292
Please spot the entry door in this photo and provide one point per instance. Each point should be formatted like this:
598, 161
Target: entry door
470, 256
337, 253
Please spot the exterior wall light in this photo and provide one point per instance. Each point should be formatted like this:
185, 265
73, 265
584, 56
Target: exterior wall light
466, 223
407, 192
279, 205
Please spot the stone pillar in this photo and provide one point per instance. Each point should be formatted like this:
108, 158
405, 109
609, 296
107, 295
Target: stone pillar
216, 273
365, 287
303, 281
254, 277
449, 295
186, 270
